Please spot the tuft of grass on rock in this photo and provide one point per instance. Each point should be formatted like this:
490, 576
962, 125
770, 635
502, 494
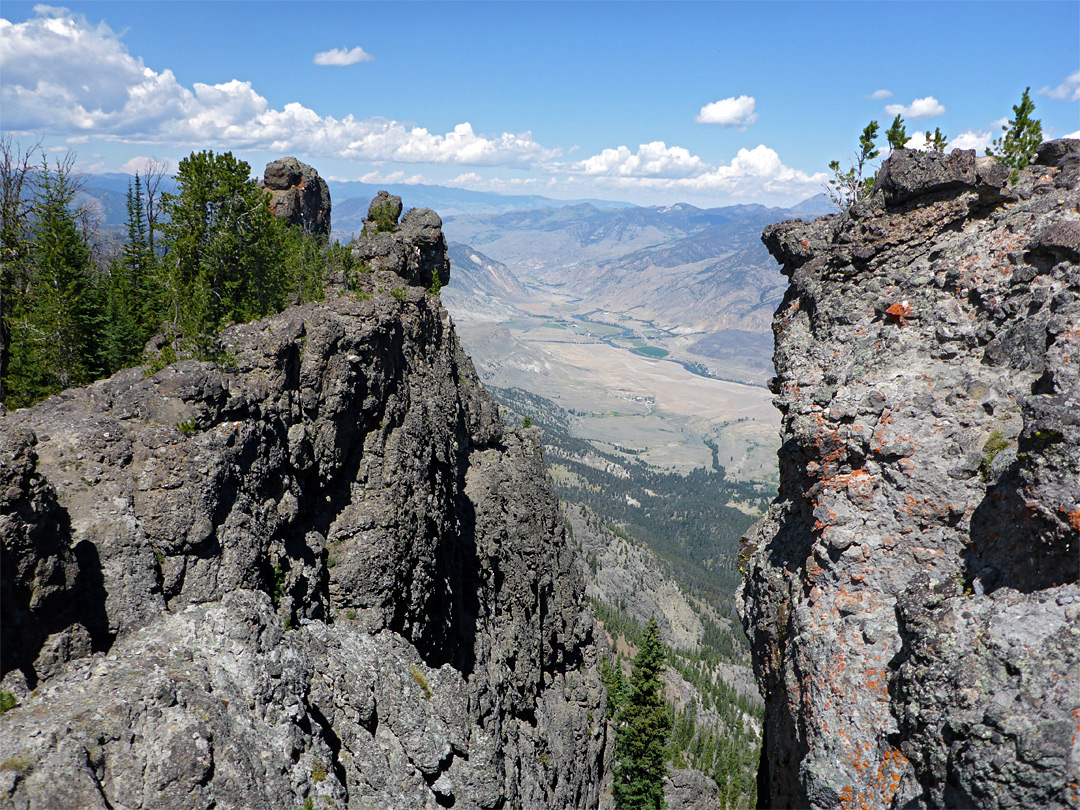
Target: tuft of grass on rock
421, 679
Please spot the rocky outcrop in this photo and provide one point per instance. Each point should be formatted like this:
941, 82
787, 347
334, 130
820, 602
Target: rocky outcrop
415, 248
320, 572
911, 596
298, 195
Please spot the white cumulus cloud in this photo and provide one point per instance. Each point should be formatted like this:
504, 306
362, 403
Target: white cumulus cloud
877, 95
145, 165
977, 139
340, 57
1068, 90
64, 75
735, 112
392, 178
920, 108
756, 174
654, 159
474, 182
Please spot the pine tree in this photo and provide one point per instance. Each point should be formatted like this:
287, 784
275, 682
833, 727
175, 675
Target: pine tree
611, 676
897, 134
936, 142
642, 731
306, 256
131, 298
1022, 136
850, 187
57, 316
222, 258
18, 173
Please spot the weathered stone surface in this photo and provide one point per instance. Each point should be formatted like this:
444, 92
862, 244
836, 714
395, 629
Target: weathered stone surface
910, 173
912, 602
298, 195
690, 790
324, 568
1054, 153
41, 581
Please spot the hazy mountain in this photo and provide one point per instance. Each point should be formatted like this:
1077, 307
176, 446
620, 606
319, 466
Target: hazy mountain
720, 277
108, 193
532, 242
813, 206
351, 201
684, 268
480, 288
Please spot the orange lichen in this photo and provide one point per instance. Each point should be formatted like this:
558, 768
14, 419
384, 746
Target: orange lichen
1074, 519
899, 312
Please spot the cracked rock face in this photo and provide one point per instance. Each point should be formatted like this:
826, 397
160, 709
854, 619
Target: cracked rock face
323, 569
912, 598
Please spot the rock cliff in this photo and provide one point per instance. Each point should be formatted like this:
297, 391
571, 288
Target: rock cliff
318, 573
911, 596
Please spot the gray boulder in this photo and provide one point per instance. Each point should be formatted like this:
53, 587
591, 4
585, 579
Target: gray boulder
298, 195
1054, 153
690, 790
910, 173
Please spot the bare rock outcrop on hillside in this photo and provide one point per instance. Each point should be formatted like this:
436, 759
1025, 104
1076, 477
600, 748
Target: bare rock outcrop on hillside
322, 569
912, 597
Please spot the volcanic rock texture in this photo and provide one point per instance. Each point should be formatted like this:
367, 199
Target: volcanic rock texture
321, 569
911, 596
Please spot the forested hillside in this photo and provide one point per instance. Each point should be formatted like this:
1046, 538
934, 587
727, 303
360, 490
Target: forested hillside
664, 545
78, 304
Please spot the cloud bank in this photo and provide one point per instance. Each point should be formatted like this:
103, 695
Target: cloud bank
751, 173
63, 75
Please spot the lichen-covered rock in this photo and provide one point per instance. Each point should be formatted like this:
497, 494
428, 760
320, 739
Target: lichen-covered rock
298, 195
319, 569
912, 601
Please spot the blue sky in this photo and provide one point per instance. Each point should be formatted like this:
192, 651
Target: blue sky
710, 103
